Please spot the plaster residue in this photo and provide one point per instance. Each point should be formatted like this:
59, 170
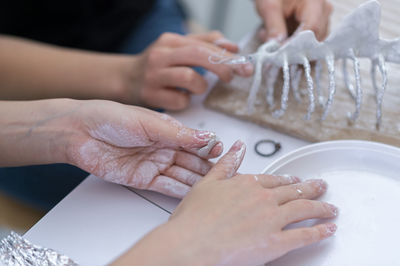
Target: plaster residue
119, 135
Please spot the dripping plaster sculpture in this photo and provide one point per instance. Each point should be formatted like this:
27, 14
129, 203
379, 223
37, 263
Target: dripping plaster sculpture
356, 37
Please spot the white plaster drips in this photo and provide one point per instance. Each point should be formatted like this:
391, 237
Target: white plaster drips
358, 33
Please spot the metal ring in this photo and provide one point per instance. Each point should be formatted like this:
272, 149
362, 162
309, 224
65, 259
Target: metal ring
277, 147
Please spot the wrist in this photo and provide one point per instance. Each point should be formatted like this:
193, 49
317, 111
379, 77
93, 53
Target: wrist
126, 85
36, 132
169, 244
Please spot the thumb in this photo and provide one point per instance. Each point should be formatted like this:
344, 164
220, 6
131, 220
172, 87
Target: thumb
227, 166
166, 131
271, 12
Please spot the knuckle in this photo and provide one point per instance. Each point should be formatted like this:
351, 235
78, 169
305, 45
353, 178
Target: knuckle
155, 55
182, 101
188, 76
248, 179
198, 49
306, 205
167, 38
215, 34
268, 195
271, 5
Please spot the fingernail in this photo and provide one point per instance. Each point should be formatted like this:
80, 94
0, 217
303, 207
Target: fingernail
205, 135
237, 146
330, 229
218, 149
289, 178
320, 184
333, 209
248, 69
224, 41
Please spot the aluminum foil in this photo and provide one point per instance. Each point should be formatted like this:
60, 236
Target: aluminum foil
15, 250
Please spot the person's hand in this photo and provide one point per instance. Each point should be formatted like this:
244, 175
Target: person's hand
282, 17
140, 148
163, 76
230, 219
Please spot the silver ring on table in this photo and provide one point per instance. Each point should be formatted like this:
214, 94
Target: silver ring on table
277, 146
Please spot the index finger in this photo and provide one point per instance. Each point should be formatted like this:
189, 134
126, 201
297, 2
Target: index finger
271, 12
314, 17
227, 166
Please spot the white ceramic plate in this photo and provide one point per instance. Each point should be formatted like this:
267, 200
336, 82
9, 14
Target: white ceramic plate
364, 182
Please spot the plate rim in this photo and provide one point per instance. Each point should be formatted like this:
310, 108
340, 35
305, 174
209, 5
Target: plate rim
327, 145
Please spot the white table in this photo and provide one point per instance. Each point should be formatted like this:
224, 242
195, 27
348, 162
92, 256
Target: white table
98, 220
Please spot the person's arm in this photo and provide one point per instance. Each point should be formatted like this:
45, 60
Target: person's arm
124, 144
229, 219
30, 70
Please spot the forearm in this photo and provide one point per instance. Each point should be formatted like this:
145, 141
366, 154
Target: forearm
167, 245
36, 132
31, 70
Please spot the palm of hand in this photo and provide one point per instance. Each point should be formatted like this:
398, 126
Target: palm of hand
166, 170
143, 149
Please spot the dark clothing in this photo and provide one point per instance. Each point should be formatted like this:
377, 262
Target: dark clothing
100, 25
43, 186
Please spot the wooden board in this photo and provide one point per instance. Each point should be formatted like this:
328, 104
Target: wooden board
232, 98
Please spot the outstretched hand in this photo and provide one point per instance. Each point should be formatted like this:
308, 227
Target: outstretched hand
242, 217
233, 219
140, 148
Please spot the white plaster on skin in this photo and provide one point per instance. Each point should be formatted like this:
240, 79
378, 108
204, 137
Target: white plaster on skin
205, 151
120, 136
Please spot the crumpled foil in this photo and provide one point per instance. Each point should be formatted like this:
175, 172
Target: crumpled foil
15, 250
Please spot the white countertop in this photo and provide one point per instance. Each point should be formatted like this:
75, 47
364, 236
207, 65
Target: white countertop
98, 221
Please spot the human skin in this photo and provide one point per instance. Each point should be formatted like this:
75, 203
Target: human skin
233, 219
31, 70
238, 219
311, 15
124, 144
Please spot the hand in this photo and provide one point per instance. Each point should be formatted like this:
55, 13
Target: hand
278, 17
164, 69
229, 219
140, 148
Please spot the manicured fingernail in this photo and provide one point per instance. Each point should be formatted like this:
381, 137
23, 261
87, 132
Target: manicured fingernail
238, 149
320, 184
217, 150
291, 179
205, 135
224, 41
333, 209
237, 146
330, 229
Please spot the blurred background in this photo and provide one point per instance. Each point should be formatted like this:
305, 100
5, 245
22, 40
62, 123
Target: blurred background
234, 18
